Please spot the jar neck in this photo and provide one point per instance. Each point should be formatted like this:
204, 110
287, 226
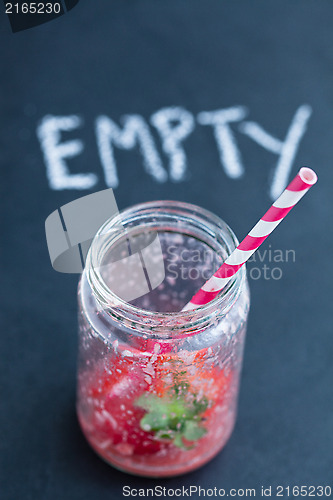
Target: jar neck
163, 216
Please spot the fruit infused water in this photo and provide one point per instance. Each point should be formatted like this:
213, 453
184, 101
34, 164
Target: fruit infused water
157, 387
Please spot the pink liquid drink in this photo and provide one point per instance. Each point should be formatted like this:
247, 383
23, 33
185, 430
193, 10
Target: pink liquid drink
157, 388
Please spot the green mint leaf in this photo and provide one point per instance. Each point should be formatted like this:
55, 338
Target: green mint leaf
154, 421
200, 405
163, 413
175, 416
147, 401
193, 431
165, 434
178, 441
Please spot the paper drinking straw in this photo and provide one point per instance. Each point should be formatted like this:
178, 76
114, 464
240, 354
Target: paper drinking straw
300, 185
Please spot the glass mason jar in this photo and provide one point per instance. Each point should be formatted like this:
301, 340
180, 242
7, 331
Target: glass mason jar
157, 387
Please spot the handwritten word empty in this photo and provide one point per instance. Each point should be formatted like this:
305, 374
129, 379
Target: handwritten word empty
173, 125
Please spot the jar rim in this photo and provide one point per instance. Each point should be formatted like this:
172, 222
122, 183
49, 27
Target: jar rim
183, 322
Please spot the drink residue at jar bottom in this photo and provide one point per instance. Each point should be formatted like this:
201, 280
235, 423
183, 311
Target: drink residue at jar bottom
111, 415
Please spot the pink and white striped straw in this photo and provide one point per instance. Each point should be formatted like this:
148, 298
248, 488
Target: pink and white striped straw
300, 185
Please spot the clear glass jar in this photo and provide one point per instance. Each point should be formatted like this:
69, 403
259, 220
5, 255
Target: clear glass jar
157, 388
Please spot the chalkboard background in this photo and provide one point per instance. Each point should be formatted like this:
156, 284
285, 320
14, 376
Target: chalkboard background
117, 58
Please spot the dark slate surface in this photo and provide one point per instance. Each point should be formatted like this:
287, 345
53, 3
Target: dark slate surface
118, 58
